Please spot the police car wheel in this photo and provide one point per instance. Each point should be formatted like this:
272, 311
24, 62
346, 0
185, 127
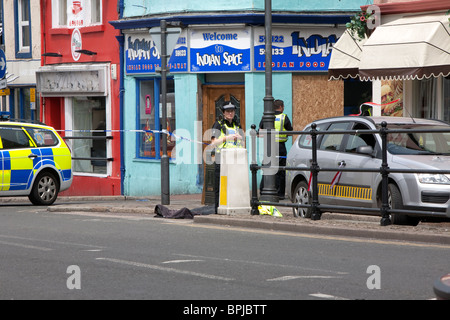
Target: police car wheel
302, 196
45, 189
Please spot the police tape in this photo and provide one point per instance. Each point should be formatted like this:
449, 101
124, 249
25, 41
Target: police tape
175, 136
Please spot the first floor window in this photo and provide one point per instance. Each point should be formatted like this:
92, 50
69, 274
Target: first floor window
89, 120
23, 34
149, 119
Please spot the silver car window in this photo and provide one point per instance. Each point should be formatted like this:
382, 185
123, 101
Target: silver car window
305, 140
333, 141
360, 139
418, 143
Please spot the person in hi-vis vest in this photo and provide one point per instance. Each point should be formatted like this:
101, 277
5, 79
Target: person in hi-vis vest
227, 133
282, 123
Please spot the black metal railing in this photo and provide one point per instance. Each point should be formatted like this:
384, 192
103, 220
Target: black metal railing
90, 138
316, 207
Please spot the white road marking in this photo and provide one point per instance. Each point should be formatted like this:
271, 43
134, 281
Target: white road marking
266, 264
172, 270
25, 246
286, 278
327, 296
181, 261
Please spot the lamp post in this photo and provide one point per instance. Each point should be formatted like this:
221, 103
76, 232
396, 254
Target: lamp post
268, 192
167, 42
165, 181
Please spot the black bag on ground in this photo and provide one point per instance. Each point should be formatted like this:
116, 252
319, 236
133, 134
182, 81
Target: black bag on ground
164, 212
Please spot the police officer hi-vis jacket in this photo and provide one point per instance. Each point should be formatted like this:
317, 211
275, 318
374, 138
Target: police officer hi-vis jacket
227, 133
282, 123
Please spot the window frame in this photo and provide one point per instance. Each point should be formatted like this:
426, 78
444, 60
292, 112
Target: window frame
22, 52
60, 17
157, 123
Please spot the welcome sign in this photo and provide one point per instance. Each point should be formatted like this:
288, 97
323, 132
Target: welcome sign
220, 50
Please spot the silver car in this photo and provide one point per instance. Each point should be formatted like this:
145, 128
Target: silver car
429, 193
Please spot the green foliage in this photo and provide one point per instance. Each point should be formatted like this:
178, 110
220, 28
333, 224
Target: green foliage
358, 24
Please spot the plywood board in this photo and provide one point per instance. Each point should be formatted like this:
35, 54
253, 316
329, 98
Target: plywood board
315, 97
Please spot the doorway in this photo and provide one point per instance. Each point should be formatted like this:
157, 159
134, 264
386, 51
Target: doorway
213, 98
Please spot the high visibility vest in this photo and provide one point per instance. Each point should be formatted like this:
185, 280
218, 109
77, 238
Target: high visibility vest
279, 126
229, 143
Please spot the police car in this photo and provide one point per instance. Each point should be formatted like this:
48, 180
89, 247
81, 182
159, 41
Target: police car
415, 150
34, 161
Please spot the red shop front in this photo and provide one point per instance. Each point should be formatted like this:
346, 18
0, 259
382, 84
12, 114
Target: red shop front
79, 84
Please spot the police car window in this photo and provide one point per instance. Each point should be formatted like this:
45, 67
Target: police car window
43, 137
14, 138
333, 141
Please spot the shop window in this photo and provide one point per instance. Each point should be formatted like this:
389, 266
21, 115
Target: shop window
149, 116
24, 104
23, 29
426, 99
89, 120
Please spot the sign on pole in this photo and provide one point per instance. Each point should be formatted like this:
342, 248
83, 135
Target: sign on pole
2, 64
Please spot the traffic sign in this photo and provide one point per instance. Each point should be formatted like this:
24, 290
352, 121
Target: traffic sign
2, 64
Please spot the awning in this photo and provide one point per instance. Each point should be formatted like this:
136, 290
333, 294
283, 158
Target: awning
345, 57
412, 47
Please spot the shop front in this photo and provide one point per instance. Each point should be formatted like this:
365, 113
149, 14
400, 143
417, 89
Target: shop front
211, 64
407, 58
79, 86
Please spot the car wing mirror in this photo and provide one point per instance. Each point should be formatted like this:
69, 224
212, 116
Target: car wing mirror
368, 150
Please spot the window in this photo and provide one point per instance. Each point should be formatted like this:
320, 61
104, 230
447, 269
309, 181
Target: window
23, 29
43, 137
149, 113
359, 140
305, 140
76, 13
96, 11
333, 141
89, 120
14, 138
62, 10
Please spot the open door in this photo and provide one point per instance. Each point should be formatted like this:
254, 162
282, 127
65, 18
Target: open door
213, 99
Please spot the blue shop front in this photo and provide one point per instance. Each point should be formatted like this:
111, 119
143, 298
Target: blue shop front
208, 65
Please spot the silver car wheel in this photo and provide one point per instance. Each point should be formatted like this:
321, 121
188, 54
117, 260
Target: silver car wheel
302, 196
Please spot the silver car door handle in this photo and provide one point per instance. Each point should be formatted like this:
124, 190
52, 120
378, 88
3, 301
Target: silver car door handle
32, 156
342, 163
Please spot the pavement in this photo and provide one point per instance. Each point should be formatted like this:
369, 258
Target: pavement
331, 224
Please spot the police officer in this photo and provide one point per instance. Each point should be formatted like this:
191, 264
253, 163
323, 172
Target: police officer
282, 123
227, 133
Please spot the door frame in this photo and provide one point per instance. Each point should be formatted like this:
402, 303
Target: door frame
210, 94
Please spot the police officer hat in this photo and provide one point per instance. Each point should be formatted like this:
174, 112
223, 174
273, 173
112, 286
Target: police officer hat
228, 106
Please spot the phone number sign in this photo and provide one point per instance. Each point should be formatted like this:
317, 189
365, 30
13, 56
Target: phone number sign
296, 50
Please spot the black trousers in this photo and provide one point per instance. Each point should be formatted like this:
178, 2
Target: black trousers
280, 177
